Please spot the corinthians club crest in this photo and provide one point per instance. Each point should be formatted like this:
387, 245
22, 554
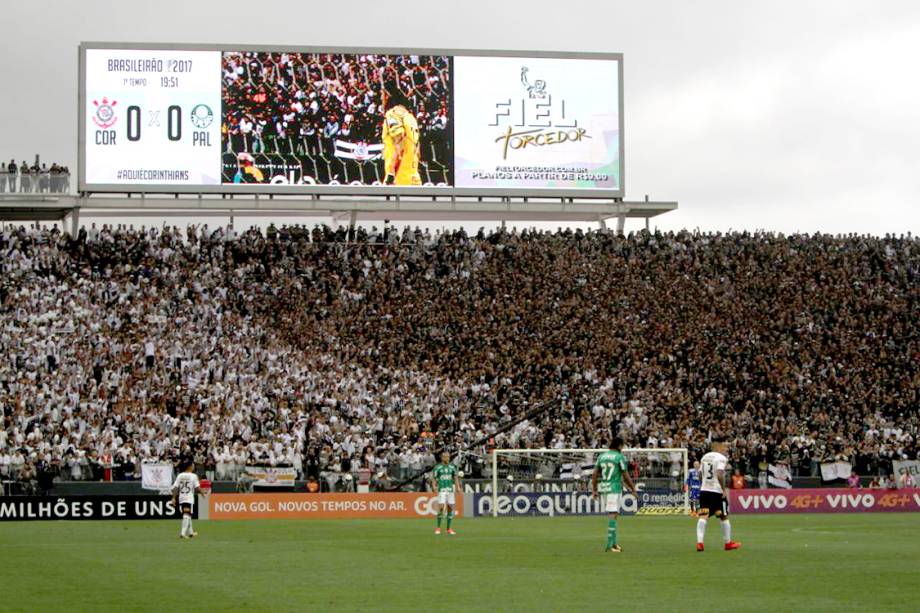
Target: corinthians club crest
105, 113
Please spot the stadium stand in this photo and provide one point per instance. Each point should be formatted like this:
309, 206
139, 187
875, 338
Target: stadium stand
330, 350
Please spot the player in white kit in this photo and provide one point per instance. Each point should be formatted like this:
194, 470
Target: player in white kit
714, 495
184, 489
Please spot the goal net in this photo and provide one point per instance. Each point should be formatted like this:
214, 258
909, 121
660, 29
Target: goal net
558, 482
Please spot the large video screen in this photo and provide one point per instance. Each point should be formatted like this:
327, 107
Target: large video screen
352, 121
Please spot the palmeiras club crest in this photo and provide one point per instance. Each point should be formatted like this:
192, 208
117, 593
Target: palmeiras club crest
202, 116
105, 113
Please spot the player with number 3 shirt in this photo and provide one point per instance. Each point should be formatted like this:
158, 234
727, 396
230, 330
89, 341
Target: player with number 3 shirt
714, 496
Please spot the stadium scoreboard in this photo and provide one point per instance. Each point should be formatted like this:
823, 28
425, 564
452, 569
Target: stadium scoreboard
216, 119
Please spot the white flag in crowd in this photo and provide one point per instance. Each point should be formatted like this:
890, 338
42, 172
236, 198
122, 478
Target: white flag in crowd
780, 476
907, 467
156, 476
835, 470
359, 151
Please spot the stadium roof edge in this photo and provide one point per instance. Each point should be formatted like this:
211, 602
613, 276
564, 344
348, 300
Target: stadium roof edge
23, 207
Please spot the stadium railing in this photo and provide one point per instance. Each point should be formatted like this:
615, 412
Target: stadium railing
42, 183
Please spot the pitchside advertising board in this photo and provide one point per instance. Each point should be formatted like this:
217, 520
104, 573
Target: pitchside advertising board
201, 119
649, 501
50, 508
825, 500
425, 505
325, 506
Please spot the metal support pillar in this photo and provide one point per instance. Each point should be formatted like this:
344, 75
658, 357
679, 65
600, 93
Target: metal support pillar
74, 222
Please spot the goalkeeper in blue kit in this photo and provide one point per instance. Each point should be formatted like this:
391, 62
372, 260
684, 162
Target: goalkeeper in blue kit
694, 481
610, 471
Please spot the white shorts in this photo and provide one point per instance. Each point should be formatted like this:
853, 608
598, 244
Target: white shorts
446, 497
611, 502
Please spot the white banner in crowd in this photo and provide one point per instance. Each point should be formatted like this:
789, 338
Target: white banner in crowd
357, 151
156, 476
271, 476
907, 467
835, 470
780, 476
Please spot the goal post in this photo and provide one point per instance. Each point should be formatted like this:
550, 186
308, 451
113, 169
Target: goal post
558, 482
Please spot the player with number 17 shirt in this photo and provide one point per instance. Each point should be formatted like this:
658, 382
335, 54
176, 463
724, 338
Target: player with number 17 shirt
610, 471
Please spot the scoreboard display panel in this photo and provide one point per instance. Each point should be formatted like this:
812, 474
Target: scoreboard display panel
153, 117
205, 119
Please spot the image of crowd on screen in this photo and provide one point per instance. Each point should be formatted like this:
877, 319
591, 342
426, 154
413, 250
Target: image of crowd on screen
302, 102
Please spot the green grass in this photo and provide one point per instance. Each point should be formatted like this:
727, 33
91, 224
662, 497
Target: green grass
794, 562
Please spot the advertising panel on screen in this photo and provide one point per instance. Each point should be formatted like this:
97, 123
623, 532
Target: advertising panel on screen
204, 119
537, 123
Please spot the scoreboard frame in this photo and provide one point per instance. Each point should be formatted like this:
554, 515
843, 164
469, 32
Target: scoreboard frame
348, 190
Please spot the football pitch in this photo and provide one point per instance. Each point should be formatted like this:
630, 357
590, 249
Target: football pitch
792, 562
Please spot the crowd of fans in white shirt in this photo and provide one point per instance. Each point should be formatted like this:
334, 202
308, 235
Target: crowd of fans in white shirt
329, 351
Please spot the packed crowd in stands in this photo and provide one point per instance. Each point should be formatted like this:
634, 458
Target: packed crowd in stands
334, 350
35, 178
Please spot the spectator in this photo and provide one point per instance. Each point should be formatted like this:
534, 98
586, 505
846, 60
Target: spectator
738, 480
12, 172
6, 464
25, 178
28, 477
44, 178
35, 177
149, 354
46, 475
55, 178
853, 481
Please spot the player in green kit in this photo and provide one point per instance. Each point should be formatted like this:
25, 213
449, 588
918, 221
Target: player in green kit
445, 479
611, 470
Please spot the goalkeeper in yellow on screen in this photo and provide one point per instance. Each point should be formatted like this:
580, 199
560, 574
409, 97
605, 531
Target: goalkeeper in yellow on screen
400, 140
